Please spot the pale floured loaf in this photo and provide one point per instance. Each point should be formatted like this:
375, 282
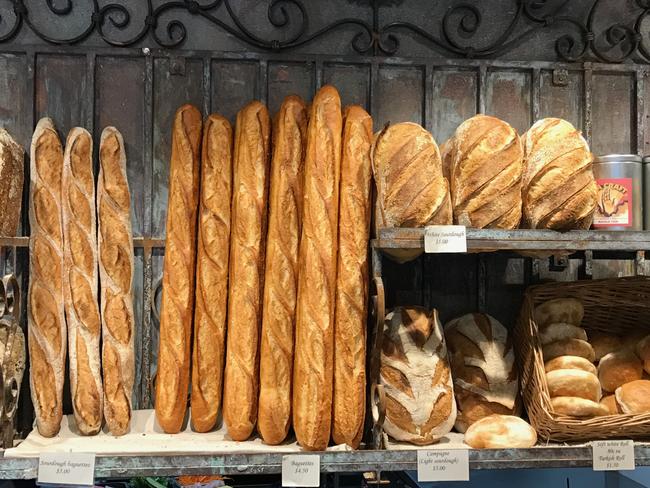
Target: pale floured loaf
501, 432
420, 404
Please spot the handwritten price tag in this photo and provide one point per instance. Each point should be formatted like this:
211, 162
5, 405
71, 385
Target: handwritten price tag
301, 470
445, 238
66, 468
443, 465
613, 455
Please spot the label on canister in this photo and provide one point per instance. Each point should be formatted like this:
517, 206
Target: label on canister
614, 202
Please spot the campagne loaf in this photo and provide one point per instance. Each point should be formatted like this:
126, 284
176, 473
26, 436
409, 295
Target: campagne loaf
420, 404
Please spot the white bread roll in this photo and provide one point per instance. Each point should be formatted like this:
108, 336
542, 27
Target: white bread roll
610, 403
573, 383
634, 397
570, 362
560, 331
618, 368
604, 343
568, 347
643, 351
577, 407
566, 310
500, 432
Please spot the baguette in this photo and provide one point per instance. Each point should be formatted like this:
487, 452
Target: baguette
281, 273
45, 303
177, 305
115, 244
314, 346
12, 158
250, 194
81, 301
212, 273
352, 280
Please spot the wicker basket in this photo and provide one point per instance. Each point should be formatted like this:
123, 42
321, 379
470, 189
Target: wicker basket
613, 305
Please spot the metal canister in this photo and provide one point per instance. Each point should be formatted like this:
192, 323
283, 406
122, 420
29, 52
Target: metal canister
646, 192
620, 192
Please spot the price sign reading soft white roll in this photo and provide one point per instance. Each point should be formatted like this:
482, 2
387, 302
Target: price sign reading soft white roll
613, 455
66, 468
445, 238
301, 470
443, 465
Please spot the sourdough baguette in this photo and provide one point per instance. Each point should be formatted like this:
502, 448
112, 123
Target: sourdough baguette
247, 246
12, 158
178, 271
281, 273
81, 295
314, 345
352, 280
115, 245
212, 273
45, 303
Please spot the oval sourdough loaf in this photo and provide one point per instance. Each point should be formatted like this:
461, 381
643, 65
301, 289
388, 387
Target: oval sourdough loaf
559, 190
500, 432
420, 404
484, 161
483, 367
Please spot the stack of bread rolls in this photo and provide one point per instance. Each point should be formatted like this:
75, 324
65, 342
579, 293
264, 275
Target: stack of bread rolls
80, 249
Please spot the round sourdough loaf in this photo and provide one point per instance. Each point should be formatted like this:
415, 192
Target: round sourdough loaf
577, 407
568, 347
562, 310
573, 383
500, 432
604, 343
634, 397
618, 368
570, 362
559, 331
610, 403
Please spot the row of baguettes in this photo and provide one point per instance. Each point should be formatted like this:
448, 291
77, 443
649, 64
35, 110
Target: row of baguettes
281, 276
67, 247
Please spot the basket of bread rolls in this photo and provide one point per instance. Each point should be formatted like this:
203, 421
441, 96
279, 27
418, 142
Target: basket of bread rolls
584, 354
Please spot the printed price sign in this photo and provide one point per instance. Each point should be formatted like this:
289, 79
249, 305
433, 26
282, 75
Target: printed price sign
445, 238
66, 468
301, 470
613, 455
443, 465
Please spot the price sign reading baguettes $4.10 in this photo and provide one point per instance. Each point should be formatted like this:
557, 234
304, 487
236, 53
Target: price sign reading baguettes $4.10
301, 470
613, 455
443, 465
66, 468
445, 238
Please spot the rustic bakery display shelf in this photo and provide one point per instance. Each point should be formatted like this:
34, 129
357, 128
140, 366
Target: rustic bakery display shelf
487, 240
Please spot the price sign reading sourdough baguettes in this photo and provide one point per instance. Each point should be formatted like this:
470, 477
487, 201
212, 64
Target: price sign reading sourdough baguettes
613, 455
301, 470
445, 238
443, 465
66, 468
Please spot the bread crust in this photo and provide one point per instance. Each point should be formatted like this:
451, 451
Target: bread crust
247, 248
116, 267
349, 399
281, 270
177, 306
45, 301
314, 345
12, 159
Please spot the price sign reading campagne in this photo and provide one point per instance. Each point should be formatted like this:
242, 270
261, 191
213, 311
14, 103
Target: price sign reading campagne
613, 455
301, 470
66, 468
443, 465
445, 238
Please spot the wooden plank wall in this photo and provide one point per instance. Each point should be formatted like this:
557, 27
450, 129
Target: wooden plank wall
139, 95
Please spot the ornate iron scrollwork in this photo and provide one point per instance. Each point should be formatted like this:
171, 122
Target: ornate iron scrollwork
456, 35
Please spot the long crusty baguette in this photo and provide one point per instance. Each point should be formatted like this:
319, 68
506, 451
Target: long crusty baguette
177, 305
115, 248
281, 274
314, 347
45, 303
212, 273
81, 300
248, 235
12, 158
352, 280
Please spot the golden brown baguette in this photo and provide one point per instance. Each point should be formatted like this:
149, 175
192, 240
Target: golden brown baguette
177, 306
314, 346
81, 299
281, 273
45, 303
352, 280
247, 240
12, 158
485, 160
559, 190
212, 273
115, 244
